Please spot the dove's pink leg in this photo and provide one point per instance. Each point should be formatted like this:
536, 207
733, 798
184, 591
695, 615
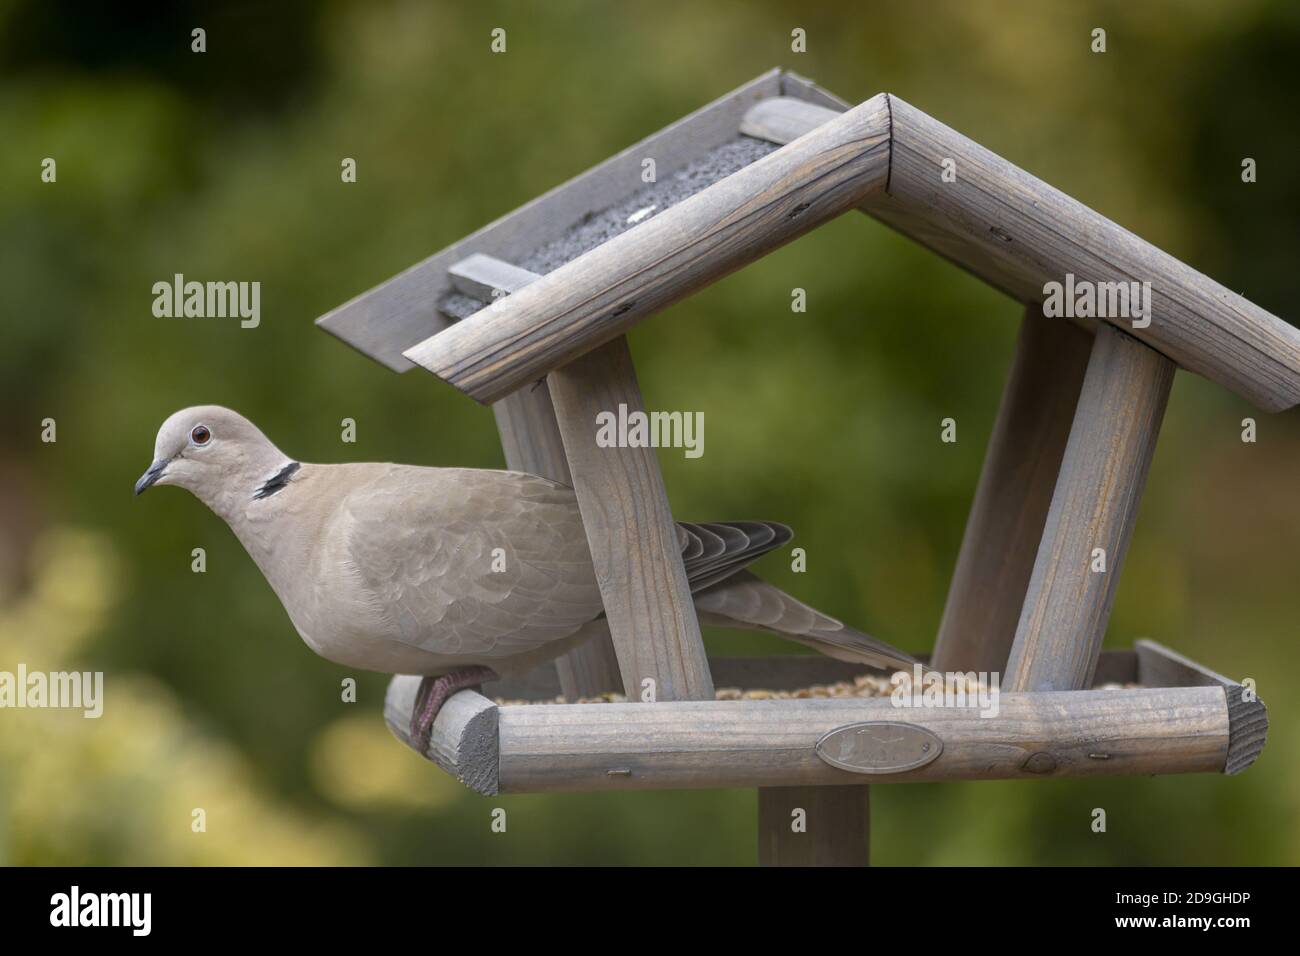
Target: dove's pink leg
433, 693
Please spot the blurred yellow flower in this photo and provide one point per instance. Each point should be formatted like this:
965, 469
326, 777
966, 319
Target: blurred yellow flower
124, 788
358, 763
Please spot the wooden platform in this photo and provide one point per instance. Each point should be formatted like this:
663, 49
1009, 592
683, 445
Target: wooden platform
1183, 719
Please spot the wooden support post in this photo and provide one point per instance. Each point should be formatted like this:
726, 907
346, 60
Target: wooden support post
630, 529
531, 441
1014, 492
1091, 518
834, 821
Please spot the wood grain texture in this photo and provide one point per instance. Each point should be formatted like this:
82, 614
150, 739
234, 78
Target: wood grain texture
1013, 496
1196, 724
783, 119
464, 738
1159, 666
1020, 233
996, 221
531, 441
1095, 504
602, 293
695, 744
631, 532
796, 86
836, 826
1017, 233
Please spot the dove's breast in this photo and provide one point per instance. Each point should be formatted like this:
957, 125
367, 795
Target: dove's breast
401, 569
321, 586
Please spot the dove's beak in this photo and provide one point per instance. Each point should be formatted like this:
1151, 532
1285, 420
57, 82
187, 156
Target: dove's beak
149, 477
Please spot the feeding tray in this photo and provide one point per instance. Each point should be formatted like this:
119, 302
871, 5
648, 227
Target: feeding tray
545, 294
1182, 718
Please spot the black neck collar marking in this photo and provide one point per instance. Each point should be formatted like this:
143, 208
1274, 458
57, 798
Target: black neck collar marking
277, 481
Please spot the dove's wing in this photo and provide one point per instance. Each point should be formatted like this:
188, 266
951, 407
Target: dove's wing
425, 542
492, 565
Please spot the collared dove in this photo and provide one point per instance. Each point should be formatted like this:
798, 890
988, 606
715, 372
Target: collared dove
395, 568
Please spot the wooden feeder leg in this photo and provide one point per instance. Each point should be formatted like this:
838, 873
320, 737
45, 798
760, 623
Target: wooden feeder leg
836, 821
630, 529
1014, 492
532, 443
531, 440
1102, 475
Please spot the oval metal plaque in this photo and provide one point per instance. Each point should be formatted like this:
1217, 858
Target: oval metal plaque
879, 746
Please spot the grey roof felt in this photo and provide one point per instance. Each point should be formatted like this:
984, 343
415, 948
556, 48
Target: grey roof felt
650, 200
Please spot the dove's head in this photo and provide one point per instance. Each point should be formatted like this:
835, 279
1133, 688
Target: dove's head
212, 452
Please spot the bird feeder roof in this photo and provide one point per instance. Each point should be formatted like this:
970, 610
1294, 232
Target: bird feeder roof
747, 173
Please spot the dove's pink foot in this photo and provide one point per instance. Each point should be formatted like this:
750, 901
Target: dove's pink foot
434, 692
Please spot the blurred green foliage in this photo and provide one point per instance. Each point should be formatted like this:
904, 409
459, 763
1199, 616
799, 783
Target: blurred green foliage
226, 165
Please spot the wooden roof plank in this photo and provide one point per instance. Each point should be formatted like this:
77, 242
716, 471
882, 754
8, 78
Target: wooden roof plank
393, 316
1020, 233
995, 220
599, 295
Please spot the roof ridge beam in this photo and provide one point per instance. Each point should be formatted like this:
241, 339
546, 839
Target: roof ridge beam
1018, 233
602, 293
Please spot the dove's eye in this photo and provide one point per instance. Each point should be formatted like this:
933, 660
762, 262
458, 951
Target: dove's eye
200, 435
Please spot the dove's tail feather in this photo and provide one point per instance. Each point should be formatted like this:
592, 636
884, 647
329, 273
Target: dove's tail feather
714, 551
726, 595
745, 601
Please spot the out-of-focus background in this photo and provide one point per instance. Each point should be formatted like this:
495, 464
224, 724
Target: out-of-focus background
226, 165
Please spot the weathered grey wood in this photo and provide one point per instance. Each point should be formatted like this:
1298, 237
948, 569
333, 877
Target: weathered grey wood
793, 85
693, 744
531, 440
532, 443
1116, 667
783, 119
1094, 506
1018, 233
996, 216
1197, 724
388, 319
995, 220
1247, 716
589, 670
464, 737
602, 293
785, 672
487, 278
529, 436
1014, 492
1158, 666
631, 532
836, 826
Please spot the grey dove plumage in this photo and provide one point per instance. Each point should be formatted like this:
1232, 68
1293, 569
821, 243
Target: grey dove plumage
396, 568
